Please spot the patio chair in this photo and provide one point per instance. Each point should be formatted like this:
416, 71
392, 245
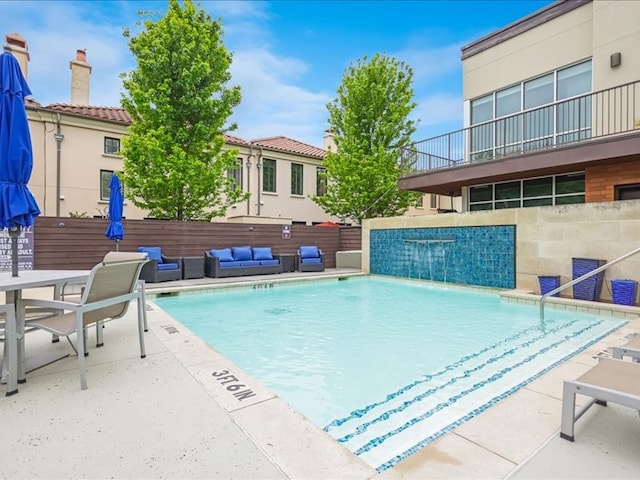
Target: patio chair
112, 284
160, 268
611, 380
629, 349
310, 259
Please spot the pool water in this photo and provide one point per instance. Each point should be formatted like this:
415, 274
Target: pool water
383, 365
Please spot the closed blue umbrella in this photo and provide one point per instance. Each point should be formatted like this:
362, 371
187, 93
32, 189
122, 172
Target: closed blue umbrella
115, 230
18, 208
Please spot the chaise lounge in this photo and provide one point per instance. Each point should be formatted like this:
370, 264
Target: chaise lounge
611, 380
241, 261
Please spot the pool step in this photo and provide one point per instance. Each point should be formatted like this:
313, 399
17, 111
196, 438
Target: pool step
384, 432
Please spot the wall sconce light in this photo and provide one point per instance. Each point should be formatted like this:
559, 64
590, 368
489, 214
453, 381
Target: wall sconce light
616, 59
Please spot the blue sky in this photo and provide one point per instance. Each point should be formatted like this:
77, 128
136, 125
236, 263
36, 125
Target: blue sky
289, 56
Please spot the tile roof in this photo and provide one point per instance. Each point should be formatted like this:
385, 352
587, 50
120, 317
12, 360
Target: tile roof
111, 114
120, 115
284, 144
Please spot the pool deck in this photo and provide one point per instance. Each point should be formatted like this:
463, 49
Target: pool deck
187, 412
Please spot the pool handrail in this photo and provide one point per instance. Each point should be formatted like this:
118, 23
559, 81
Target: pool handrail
583, 277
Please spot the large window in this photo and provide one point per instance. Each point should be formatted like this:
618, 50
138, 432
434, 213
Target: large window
297, 170
321, 181
532, 192
111, 146
236, 174
269, 175
534, 114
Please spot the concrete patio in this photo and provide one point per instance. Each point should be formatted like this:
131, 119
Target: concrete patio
170, 416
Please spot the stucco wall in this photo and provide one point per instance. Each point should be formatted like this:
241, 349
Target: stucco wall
547, 238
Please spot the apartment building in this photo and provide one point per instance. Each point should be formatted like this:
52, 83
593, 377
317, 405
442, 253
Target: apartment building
552, 113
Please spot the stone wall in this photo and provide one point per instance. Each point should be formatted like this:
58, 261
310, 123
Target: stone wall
547, 238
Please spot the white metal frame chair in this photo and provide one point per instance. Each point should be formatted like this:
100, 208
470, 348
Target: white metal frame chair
112, 284
611, 380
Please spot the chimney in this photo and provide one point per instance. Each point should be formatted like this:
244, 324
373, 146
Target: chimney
328, 141
17, 45
80, 73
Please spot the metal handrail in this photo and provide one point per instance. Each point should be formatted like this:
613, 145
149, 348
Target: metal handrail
583, 277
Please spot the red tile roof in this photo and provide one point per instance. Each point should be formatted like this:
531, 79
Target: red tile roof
284, 144
111, 114
120, 115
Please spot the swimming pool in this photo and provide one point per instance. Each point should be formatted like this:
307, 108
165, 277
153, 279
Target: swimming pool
385, 366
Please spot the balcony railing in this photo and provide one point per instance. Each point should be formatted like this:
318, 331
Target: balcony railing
580, 119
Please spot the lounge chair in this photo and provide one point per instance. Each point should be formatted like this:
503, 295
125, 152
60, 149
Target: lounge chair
629, 349
611, 380
112, 284
310, 259
160, 268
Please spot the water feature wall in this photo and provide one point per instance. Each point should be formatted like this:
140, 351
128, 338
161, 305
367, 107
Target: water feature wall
475, 255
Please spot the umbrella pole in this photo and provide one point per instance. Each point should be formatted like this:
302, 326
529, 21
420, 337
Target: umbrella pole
14, 233
117, 244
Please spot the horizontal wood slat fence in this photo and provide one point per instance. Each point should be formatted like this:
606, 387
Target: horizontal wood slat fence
63, 243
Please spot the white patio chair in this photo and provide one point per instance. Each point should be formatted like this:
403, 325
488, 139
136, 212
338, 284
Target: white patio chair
112, 284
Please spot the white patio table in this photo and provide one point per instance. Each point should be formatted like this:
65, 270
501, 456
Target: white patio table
14, 338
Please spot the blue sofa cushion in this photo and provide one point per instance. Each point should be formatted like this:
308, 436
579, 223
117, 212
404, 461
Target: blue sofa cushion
168, 266
262, 253
309, 251
311, 260
223, 254
230, 264
241, 253
249, 263
274, 261
154, 253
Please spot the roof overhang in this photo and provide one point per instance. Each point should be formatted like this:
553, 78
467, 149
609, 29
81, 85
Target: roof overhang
559, 160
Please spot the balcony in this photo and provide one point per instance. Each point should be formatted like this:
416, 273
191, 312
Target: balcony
580, 121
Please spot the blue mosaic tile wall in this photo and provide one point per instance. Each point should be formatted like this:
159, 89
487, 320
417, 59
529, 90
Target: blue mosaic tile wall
484, 256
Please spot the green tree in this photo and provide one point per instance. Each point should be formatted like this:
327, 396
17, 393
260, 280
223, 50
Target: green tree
175, 165
370, 123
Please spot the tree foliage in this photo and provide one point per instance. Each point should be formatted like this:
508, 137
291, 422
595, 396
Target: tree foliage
177, 97
370, 121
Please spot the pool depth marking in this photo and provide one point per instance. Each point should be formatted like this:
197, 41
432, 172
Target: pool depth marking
225, 377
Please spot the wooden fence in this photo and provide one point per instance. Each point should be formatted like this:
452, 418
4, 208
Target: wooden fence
79, 243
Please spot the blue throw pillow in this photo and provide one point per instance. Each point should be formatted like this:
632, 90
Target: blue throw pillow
262, 253
309, 251
223, 254
241, 253
154, 253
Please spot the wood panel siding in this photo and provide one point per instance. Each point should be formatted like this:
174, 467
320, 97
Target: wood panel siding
79, 243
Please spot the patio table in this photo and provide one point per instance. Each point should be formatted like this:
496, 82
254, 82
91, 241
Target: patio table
14, 331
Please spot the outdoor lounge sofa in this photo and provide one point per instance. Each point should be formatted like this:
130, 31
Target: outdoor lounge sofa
611, 380
310, 259
160, 268
241, 261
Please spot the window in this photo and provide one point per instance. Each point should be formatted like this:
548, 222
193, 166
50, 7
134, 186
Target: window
236, 174
627, 192
532, 192
105, 179
111, 146
268, 175
297, 170
321, 181
534, 114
